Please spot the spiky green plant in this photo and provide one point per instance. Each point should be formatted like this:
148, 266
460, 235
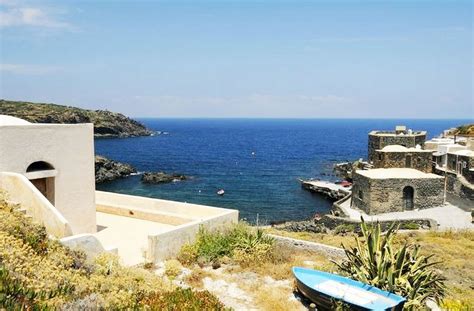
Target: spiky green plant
403, 271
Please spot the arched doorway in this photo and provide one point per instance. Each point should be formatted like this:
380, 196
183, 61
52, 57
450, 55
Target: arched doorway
408, 194
41, 175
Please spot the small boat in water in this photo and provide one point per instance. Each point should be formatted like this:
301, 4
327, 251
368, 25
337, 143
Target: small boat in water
324, 288
220, 192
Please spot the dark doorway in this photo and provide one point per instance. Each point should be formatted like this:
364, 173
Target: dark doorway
408, 194
408, 161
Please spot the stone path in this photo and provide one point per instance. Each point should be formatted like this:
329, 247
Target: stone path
447, 216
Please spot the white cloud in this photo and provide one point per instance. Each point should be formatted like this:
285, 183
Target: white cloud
14, 14
24, 69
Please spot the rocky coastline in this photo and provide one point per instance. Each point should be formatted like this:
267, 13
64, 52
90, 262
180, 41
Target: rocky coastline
106, 123
108, 170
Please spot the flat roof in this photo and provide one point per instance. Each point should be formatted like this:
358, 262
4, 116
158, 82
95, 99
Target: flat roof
400, 173
392, 133
464, 152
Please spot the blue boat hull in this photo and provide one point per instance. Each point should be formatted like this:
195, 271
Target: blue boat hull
327, 302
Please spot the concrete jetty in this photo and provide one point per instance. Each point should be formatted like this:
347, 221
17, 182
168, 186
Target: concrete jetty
331, 190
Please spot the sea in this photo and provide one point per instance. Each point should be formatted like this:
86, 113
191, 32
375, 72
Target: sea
258, 162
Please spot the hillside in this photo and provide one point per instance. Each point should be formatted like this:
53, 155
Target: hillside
467, 129
106, 123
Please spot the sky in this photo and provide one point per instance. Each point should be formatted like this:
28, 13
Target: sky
271, 59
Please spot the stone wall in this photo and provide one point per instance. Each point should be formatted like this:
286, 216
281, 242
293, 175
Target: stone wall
456, 186
419, 160
466, 168
376, 196
379, 141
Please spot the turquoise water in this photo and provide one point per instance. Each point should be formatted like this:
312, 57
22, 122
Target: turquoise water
257, 161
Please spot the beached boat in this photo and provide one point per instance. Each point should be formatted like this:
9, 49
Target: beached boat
324, 288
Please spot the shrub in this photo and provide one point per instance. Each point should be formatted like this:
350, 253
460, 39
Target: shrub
410, 226
239, 242
403, 271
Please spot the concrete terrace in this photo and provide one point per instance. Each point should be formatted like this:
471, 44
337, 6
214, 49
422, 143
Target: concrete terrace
128, 235
145, 229
447, 216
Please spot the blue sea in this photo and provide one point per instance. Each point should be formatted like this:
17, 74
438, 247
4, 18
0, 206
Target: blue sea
256, 161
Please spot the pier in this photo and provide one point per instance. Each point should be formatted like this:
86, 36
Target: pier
329, 189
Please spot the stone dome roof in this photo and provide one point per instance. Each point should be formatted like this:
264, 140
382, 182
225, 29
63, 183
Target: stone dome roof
9, 120
394, 148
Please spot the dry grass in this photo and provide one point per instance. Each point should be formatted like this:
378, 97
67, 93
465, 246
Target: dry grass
274, 298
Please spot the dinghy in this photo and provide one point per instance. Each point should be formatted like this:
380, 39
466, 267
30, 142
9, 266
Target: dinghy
324, 288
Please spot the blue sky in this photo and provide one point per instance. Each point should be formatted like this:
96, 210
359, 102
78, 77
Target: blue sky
351, 59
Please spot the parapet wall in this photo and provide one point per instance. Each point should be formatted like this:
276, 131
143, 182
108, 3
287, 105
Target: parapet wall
20, 190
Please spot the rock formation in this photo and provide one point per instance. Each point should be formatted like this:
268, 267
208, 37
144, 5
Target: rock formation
107, 170
161, 177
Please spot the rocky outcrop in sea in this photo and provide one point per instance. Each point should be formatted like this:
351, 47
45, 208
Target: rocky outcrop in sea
108, 170
161, 177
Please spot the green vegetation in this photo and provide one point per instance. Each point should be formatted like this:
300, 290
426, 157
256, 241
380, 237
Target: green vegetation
38, 273
239, 243
403, 271
106, 123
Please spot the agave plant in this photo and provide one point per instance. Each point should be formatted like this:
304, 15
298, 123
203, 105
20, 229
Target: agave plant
403, 271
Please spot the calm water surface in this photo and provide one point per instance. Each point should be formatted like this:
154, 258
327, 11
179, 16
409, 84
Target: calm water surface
257, 161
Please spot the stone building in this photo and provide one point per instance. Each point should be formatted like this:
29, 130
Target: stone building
461, 162
401, 136
386, 190
395, 156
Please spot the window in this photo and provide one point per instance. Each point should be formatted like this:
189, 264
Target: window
39, 166
361, 195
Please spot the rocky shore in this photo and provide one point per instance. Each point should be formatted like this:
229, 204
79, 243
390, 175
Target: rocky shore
108, 170
341, 226
161, 178
106, 123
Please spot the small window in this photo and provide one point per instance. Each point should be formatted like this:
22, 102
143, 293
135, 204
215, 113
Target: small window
380, 156
39, 166
361, 195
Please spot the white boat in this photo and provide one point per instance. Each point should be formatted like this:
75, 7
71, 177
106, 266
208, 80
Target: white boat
220, 192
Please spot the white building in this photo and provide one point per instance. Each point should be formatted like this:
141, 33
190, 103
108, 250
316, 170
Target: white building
48, 169
59, 160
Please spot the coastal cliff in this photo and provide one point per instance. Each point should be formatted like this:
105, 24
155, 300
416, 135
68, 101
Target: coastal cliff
106, 123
